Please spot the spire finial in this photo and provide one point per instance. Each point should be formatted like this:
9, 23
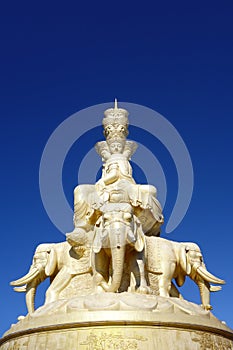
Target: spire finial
115, 104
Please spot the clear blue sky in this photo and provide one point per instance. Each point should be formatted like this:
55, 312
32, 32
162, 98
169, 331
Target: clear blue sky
173, 57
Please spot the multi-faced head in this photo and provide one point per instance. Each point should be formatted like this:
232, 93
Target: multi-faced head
116, 146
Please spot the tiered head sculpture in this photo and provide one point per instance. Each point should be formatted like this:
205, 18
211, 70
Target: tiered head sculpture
115, 124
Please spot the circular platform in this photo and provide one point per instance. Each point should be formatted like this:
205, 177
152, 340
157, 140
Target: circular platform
121, 322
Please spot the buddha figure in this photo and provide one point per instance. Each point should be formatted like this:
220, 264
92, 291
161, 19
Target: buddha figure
116, 184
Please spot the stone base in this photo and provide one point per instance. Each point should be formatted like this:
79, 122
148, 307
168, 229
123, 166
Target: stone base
113, 322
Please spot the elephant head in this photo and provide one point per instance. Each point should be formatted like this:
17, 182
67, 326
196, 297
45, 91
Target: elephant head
192, 264
61, 263
35, 275
116, 230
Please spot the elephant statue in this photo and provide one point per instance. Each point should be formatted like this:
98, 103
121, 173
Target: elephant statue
61, 263
118, 236
35, 276
167, 259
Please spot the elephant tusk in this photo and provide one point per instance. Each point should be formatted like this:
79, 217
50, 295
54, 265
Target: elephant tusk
215, 288
207, 276
20, 289
34, 272
195, 266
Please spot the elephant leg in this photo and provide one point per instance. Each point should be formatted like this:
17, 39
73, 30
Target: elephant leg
143, 287
101, 275
165, 279
137, 266
153, 282
59, 283
164, 286
174, 292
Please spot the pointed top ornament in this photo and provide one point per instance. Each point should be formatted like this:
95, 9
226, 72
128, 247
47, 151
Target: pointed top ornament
115, 104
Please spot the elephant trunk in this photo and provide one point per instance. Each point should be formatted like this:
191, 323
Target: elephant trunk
207, 276
118, 255
204, 288
30, 296
29, 283
33, 273
118, 241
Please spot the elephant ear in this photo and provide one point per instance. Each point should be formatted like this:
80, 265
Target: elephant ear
100, 237
97, 243
51, 263
140, 238
184, 261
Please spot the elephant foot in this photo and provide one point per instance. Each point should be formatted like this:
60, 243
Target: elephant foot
143, 290
51, 297
99, 290
207, 307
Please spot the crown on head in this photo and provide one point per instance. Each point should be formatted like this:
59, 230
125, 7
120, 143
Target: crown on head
115, 122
